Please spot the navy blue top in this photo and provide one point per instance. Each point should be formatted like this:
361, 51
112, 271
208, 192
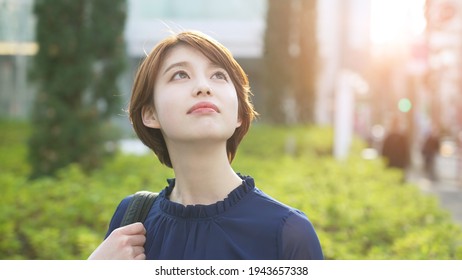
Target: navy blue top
248, 224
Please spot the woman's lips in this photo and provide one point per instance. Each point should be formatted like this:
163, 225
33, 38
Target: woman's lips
203, 107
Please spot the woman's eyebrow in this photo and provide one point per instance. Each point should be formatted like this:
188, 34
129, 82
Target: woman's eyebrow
177, 64
215, 65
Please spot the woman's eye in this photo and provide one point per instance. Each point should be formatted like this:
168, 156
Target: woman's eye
220, 75
180, 75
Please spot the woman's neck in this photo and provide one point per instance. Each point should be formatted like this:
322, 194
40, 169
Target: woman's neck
203, 174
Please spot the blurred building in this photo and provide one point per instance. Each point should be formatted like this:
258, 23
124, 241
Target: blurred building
444, 70
427, 72
16, 49
443, 82
238, 24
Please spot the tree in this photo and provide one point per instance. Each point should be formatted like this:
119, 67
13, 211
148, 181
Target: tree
290, 60
306, 63
275, 66
81, 55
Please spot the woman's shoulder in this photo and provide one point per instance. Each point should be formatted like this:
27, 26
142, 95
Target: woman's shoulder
118, 214
297, 236
299, 239
263, 199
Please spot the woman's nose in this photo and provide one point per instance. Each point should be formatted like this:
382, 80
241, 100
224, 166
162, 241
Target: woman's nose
202, 89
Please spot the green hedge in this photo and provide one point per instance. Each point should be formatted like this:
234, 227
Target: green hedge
360, 209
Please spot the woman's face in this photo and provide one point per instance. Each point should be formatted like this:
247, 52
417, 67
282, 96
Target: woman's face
195, 99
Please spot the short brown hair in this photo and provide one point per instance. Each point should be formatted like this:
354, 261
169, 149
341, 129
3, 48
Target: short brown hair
145, 79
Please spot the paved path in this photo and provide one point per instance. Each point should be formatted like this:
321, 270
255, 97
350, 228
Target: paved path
448, 191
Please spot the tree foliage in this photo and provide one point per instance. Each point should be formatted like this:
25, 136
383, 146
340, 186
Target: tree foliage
290, 61
80, 57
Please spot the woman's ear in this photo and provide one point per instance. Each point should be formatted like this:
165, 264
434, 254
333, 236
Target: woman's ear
149, 117
239, 122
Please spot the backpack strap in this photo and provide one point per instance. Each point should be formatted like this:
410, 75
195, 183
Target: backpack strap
138, 208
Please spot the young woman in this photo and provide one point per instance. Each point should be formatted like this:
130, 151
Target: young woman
191, 105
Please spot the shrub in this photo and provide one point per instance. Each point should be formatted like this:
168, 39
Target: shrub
360, 209
13, 147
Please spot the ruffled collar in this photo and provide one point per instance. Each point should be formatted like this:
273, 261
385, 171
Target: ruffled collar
200, 211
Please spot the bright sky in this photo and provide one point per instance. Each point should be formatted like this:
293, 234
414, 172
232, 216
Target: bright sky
396, 21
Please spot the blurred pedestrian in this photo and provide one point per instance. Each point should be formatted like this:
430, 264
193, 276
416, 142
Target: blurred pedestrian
395, 148
430, 149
